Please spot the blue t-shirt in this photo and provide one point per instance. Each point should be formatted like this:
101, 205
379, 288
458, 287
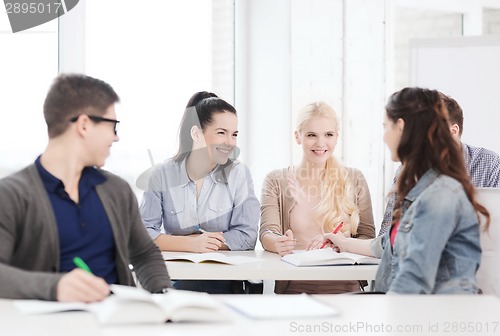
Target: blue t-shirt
84, 228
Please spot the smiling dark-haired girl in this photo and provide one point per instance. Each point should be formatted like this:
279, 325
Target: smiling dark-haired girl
202, 200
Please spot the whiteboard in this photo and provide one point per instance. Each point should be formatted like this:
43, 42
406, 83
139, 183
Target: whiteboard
467, 69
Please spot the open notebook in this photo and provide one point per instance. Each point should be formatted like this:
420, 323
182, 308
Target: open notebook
130, 305
327, 256
214, 257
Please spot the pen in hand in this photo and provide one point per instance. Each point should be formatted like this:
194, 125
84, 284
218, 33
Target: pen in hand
278, 234
203, 231
81, 264
337, 229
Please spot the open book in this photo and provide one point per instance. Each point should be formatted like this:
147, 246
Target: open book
209, 257
135, 305
327, 256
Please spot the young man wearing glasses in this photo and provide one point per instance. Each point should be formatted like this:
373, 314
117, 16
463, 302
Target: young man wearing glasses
64, 207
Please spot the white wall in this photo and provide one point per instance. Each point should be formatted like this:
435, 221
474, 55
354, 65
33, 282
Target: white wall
468, 69
365, 81
262, 85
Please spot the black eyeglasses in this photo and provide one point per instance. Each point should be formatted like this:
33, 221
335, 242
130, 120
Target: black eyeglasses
98, 119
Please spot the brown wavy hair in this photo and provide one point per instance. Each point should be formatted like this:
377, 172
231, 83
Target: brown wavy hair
427, 143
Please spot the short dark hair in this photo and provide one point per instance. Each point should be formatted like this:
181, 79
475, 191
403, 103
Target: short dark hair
455, 113
70, 95
199, 112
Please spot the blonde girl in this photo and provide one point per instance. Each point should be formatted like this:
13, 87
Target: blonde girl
300, 203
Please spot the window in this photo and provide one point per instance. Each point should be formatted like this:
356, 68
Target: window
28, 64
156, 58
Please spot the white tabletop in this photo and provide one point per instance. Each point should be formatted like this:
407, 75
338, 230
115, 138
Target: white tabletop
359, 315
269, 267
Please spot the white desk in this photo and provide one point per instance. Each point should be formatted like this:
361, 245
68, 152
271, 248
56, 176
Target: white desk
270, 267
359, 315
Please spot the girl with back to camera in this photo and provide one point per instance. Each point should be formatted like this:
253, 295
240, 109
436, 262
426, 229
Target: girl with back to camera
300, 203
202, 197
433, 244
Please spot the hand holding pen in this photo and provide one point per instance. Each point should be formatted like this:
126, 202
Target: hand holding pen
335, 231
284, 244
81, 285
339, 240
208, 241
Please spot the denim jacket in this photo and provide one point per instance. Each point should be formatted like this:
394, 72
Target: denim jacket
437, 249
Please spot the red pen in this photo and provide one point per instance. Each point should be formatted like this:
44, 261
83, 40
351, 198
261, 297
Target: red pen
337, 229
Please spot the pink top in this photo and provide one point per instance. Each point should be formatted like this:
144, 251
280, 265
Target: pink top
302, 216
394, 232
305, 227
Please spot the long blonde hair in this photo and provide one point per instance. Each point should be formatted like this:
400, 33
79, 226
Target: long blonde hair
338, 192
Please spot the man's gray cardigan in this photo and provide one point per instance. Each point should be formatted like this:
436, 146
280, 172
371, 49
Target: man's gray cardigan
29, 241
